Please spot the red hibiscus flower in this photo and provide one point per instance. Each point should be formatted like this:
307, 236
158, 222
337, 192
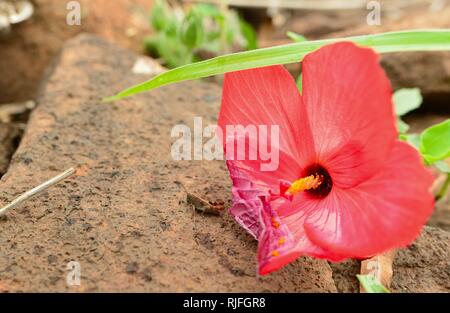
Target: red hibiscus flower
345, 187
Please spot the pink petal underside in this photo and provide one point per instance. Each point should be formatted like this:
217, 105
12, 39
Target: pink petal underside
250, 184
348, 101
247, 203
382, 213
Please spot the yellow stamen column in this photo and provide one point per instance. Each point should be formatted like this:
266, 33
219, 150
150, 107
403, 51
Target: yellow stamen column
305, 183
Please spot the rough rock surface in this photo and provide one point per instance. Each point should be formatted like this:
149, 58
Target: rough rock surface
122, 216
422, 267
441, 215
9, 137
425, 265
29, 49
344, 275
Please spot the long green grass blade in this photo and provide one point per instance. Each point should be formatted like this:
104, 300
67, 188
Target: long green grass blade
411, 40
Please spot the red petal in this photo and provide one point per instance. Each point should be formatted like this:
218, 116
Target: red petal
348, 101
269, 96
385, 212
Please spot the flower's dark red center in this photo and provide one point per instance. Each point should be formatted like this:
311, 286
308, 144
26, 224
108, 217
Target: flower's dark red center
324, 188
315, 181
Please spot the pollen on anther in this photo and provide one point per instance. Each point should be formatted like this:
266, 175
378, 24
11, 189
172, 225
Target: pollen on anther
305, 183
275, 223
281, 241
275, 253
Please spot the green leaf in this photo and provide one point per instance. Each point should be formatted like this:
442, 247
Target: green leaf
172, 27
406, 100
413, 40
249, 34
371, 284
296, 37
435, 142
402, 126
170, 49
159, 16
192, 30
207, 9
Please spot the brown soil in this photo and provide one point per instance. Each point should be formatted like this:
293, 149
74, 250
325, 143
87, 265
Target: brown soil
33, 44
316, 24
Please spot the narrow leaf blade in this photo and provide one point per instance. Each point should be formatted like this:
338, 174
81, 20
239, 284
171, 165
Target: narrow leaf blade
414, 40
296, 37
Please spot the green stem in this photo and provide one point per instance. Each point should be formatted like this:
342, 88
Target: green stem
443, 191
